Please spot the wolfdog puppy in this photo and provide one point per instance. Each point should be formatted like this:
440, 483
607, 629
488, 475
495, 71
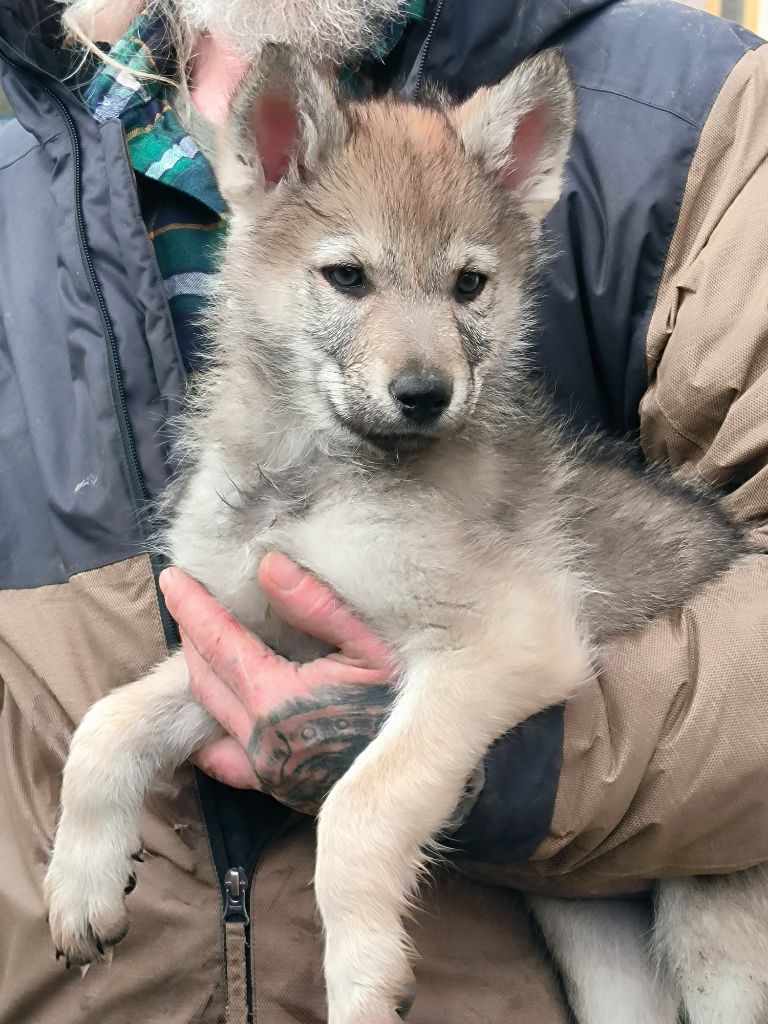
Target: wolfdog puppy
367, 411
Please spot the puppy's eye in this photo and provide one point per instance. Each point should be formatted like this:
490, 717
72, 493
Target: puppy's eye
468, 285
346, 278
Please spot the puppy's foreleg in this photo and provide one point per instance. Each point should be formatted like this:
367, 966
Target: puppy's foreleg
603, 950
122, 744
381, 816
711, 936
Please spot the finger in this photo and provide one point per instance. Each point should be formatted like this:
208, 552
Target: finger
341, 672
218, 699
311, 607
235, 654
225, 760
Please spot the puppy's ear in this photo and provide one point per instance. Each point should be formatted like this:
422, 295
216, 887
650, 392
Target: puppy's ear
521, 129
284, 120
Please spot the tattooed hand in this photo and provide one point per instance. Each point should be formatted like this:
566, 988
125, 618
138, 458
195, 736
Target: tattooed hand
293, 730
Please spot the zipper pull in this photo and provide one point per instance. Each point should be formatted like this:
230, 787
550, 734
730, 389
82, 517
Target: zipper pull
236, 896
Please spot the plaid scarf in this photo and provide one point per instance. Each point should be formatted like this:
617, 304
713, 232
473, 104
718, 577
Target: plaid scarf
185, 215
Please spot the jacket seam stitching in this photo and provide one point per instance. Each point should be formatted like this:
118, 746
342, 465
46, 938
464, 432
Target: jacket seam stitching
643, 103
672, 424
32, 148
21, 156
76, 569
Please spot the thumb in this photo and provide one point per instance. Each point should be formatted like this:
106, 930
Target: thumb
310, 606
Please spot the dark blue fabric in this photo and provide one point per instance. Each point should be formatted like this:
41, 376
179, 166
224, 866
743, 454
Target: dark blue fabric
513, 812
68, 500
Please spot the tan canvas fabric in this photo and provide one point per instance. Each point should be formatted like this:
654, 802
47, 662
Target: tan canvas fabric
665, 764
62, 647
480, 962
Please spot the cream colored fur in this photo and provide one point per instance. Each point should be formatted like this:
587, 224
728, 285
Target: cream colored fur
603, 947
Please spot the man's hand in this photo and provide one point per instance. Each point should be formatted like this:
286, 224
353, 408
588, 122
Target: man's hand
293, 730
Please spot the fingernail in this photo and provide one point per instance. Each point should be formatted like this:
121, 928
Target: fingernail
283, 573
166, 578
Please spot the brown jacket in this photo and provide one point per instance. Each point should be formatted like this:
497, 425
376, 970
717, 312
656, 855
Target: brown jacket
664, 767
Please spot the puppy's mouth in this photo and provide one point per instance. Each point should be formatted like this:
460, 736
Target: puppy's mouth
399, 442
393, 441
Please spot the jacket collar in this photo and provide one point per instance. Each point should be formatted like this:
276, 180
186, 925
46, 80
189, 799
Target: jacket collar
474, 44
30, 31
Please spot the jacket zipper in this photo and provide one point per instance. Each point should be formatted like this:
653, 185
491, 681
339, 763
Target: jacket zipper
425, 49
237, 941
136, 479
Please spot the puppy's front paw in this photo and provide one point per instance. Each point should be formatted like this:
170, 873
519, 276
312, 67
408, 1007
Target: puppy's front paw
369, 990
366, 1006
85, 889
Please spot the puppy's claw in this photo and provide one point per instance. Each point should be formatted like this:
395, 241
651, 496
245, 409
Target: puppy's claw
406, 1000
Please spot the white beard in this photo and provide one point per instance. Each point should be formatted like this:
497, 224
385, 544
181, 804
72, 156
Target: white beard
324, 29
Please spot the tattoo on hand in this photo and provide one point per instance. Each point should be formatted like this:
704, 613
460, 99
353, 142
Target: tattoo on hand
303, 748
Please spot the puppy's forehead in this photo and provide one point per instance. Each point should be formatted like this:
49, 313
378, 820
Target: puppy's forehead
404, 176
425, 133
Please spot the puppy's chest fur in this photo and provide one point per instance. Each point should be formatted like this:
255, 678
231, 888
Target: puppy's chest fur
400, 544
427, 548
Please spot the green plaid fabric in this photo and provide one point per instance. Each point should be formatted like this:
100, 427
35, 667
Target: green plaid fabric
184, 213
183, 210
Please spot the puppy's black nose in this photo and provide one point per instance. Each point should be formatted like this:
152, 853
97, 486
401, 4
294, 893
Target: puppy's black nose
422, 397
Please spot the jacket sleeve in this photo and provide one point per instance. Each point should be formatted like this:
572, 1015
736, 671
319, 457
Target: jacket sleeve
664, 758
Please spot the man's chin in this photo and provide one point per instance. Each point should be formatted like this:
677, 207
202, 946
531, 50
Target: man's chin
327, 30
